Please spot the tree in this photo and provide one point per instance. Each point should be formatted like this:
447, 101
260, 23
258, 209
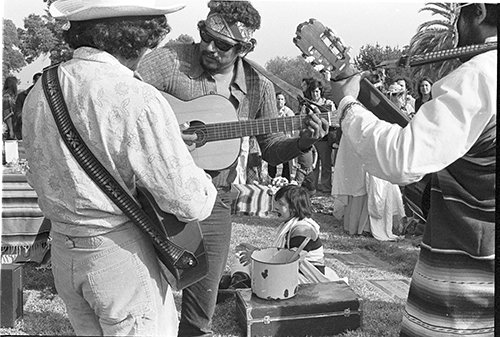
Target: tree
372, 55
13, 59
435, 35
42, 35
292, 71
182, 39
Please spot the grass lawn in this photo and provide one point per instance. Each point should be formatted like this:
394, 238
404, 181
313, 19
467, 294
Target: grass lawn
44, 312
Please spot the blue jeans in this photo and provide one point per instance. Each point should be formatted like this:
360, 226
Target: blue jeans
111, 284
199, 299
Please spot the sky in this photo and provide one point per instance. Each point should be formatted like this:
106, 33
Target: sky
357, 22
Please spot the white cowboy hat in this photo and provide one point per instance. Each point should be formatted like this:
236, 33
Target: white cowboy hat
80, 10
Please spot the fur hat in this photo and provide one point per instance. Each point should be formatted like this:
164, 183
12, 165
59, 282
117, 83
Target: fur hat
80, 10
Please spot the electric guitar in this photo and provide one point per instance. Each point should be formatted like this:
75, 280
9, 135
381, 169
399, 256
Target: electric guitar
322, 48
214, 120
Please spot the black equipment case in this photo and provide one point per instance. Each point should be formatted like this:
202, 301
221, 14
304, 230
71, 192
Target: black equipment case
318, 309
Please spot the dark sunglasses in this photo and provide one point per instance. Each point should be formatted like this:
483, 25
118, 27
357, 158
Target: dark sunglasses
220, 44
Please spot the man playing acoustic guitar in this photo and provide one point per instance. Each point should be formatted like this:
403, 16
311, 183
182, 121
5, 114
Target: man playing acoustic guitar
216, 65
453, 137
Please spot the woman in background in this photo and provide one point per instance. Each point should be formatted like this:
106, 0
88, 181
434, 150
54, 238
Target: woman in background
424, 92
8, 106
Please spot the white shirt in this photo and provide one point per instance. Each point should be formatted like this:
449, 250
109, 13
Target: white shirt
442, 131
130, 128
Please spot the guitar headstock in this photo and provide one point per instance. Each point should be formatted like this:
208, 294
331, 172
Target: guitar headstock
322, 48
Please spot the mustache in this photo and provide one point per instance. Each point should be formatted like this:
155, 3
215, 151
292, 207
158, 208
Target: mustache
210, 54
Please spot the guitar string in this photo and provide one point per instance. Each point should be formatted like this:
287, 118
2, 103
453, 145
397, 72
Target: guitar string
253, 127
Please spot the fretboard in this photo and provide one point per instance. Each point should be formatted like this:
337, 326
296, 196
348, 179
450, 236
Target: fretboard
238, 129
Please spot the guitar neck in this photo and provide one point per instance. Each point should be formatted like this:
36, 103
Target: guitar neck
238, 129
438, 56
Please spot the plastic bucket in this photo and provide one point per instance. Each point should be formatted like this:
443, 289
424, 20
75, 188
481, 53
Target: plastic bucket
273, 276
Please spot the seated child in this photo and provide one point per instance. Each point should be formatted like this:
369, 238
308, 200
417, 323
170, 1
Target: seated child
292, 203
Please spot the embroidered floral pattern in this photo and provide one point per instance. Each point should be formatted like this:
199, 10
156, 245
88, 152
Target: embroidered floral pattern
132, 131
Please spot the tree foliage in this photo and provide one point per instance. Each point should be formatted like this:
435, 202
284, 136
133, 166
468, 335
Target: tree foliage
13, 59
434, 35
292, 71
372, 55
182, 39
42, 35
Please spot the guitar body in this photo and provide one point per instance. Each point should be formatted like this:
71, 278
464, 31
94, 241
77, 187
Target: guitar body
209, 155
187, 236
214, 120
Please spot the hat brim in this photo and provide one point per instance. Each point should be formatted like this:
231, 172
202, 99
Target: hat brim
109, 12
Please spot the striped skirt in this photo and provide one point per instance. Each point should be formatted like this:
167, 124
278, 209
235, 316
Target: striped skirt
450, 295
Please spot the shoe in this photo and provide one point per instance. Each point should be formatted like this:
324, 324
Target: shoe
240, 280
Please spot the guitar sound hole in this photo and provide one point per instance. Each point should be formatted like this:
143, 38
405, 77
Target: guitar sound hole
200, 129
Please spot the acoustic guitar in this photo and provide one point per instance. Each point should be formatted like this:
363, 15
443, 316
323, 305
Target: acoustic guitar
323, 49
214, 120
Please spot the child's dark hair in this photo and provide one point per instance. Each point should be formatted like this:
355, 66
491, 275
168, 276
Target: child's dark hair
298, 200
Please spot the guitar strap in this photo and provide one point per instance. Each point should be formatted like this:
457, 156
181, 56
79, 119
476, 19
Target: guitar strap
165, 248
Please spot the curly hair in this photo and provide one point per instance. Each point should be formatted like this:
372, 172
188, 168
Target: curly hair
314, 84
123, 36
409, 85
233, 11
298, 200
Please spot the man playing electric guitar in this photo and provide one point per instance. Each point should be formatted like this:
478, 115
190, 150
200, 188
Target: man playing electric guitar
216, 65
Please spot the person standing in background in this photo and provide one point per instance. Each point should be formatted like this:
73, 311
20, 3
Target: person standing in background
18, 121
283, 111
9, 95
321, 176
424, 90
396, 95
405, 83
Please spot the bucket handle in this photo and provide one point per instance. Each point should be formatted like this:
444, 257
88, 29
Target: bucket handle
301, 247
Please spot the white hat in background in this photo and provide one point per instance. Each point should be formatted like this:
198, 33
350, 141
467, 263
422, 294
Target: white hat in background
394, 89
80, 10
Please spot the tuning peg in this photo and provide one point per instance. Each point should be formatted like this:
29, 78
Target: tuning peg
299, 27
309, 59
